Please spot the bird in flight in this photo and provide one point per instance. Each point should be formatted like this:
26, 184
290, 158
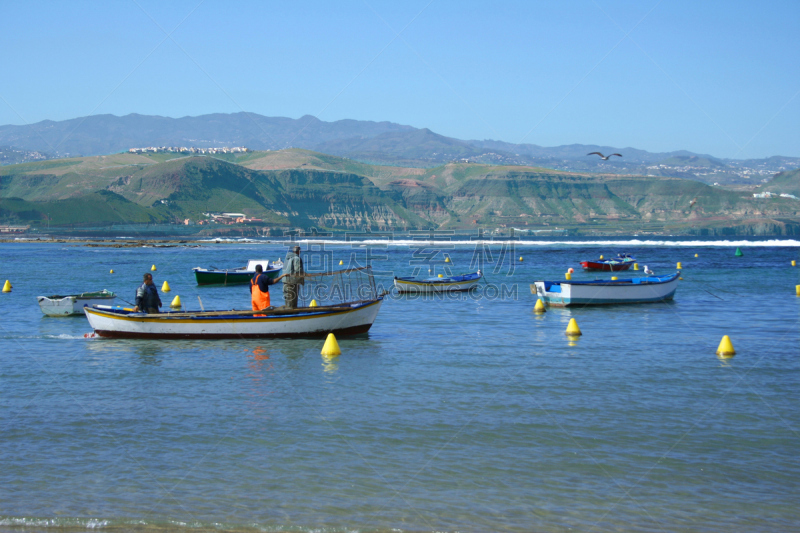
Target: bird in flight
603, 157
693, 202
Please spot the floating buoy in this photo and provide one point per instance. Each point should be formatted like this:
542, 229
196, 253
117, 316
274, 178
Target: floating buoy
153, 268
539, 307
165, 287
797, 289
440, 276
636, 266
614, 278
176, 302
7, 286
794, 263
111, 271
88, 335
570, 270
572, 328
341, 262
331, 347
568, 276
520, 258
725, 348
601, 256
738, 253
313, 303
695, 255
446, 259
679, 265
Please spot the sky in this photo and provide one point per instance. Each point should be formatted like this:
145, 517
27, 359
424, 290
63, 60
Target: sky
717, 78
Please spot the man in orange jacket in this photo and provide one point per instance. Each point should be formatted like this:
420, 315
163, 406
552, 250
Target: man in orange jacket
259, 289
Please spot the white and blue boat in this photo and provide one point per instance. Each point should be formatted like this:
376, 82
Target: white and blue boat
607, 292
463, 282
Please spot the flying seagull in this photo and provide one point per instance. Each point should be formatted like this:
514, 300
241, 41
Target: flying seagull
603, 157
693, 202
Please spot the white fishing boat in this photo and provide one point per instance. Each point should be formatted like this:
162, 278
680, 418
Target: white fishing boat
344, 319
606, 292
325, 313
463, 282
72, 304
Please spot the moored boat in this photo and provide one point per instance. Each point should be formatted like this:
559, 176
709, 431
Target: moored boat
236, 276
616, 264
605, 292
72, 304
463, 282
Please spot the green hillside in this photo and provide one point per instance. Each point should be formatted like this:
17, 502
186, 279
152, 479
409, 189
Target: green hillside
303, 189
783, 183
95, 208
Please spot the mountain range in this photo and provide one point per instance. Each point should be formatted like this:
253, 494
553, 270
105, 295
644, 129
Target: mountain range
383, 143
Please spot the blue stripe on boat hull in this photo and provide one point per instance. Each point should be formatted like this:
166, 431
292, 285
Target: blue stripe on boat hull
567, 302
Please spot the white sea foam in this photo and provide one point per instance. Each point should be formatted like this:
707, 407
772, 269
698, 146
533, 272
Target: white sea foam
65, 336
599, 242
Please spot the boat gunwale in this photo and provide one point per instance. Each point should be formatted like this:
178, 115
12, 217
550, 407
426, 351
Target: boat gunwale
617, 282
232, 315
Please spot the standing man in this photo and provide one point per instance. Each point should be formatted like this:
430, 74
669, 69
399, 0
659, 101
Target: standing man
259, 289
147, 300
293, 271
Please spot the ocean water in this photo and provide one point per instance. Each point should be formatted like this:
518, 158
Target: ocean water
468, 414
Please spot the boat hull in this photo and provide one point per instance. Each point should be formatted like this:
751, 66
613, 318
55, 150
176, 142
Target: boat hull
307, 323
607, 292
418, 286
72, 304
607, 267
229, 277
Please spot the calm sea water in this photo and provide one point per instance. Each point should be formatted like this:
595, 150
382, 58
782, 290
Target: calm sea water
451, 415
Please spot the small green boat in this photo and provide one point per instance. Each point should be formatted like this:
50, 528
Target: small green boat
236, 276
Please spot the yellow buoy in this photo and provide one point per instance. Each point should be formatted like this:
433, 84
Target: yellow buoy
794, 263
679, 265
614, 278
7, 286
572, 328
313, 303
176, 302
601, 256
520, 258
725, 347
165, 287
446, 259
539, 307
636, 266
153, 268
695, 255
796, 288
568, 276
111, 271
441, 276
331, 347
341, 262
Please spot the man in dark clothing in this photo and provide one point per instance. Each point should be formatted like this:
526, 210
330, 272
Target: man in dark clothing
147, 300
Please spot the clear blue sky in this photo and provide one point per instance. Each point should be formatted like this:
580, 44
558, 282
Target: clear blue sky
721, 78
